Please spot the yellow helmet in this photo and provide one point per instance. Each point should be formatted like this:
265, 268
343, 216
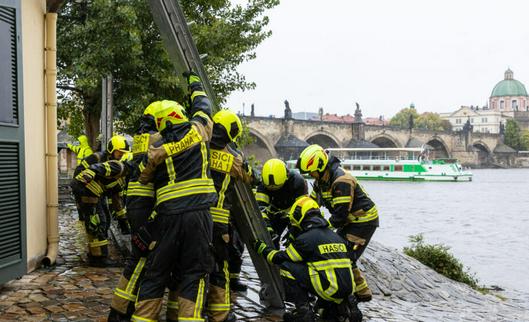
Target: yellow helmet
301, 207
230, 122
151, 109
118, 143
274, 174
313, 158
168, 111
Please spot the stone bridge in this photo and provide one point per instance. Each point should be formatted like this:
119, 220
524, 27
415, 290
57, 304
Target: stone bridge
285, 138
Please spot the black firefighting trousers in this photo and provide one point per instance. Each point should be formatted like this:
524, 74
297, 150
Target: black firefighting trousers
143, 233
218, 299
92, 216
298, 284
184, 250
235, 251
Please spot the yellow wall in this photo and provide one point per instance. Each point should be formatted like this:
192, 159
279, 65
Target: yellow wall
33, 12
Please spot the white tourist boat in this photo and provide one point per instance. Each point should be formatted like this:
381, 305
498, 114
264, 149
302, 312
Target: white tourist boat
397, 164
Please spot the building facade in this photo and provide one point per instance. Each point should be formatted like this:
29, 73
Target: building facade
509, 95
482, 120
26, 111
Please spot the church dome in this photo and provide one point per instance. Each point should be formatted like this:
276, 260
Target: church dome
509, 87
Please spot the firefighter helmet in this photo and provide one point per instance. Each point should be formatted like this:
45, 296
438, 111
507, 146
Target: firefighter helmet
303, 206
313, 158
118, 143
230, 122
168, 112
274, 174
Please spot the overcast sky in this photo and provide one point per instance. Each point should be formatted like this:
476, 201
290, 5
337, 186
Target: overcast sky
385, 54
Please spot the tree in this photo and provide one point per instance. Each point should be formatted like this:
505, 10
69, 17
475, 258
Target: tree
427, 120
525, 140
119, 37
513, 136
402, 118
432, 121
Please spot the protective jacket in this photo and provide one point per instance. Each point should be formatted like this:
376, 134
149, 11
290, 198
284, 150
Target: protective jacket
108, 178
178, 165
82, 150
276, 203
325, 256
343, 196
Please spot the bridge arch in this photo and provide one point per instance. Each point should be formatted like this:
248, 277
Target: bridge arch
323, 138
385, 141
483, 150
440, 148
261, 148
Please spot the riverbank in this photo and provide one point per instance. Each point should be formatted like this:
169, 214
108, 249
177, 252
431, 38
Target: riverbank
404, 289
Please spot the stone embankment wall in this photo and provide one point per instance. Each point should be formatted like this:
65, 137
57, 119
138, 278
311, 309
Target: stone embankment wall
404, 289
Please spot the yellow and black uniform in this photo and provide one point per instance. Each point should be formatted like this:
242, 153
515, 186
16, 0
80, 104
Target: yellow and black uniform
178, 165
82, 150
315, 262
94, 177
275, 204
352, 212
227, 165
140, 204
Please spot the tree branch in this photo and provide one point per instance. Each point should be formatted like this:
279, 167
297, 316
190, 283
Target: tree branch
70, 88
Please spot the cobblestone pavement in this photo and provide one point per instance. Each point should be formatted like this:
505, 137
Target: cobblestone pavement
404, 290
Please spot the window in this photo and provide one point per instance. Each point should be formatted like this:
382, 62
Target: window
385, 168
347, 167
398, 167
514, 105
458, 121
483, 120
471, 120
357, 167
375, 168
502, 105
8, 67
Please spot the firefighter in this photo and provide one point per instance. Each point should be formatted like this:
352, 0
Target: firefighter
316, 262
276, 193
227, 165
96, 175
353, 212
140, 204
82, 150
178, 165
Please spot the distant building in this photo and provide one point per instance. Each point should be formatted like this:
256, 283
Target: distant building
508, 100
509, 95
350, 119
482, 120
380, 121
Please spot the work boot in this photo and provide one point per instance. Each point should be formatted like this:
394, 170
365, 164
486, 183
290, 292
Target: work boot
300, 314
355, 315
115, 316
237, 286
231, 317
101, 261
362, 291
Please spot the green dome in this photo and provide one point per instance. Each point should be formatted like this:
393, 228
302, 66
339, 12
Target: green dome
509, 87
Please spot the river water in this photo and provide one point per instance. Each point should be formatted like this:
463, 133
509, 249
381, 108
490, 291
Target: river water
484, 222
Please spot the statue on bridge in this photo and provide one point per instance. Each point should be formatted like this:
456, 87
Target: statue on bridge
252, 111
288, 111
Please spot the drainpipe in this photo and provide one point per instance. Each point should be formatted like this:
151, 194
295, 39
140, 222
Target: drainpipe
52, 203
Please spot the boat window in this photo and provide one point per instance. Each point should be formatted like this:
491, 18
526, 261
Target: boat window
385, 168
398, 167
347, 166
357, 167
376, 168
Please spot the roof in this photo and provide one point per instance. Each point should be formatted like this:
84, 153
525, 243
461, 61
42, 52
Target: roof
361, 144
503, 148
509, 87
290, 141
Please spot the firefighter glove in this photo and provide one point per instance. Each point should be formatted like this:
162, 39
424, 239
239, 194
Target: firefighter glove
191, 77
259, 246
337, 222
124, 226
85, 176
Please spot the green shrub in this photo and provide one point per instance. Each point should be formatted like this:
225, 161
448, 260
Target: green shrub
439, 259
